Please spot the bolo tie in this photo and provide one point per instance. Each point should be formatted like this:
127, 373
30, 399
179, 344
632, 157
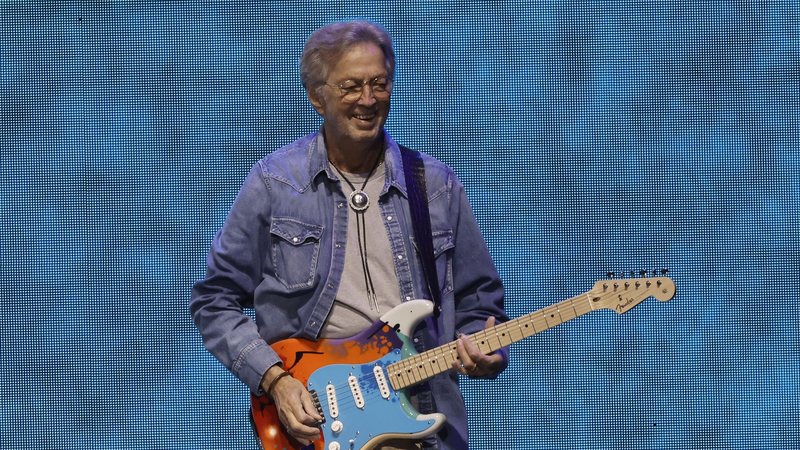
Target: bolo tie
359, 202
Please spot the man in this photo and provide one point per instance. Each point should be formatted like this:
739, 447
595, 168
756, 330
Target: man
319, 243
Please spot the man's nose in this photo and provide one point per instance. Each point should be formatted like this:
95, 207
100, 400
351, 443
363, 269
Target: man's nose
367, 96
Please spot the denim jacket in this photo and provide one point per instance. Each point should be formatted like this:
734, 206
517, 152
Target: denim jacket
281, 252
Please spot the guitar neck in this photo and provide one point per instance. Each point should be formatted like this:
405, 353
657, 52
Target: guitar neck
432, 362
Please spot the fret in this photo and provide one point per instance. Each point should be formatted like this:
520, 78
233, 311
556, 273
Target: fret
396, 378
425, 367
436, 360
558, 314
405, 375
572, 305
530, 326
546, 312
515, 331
504, 336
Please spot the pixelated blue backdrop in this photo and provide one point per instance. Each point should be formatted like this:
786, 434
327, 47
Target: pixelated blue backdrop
592, 137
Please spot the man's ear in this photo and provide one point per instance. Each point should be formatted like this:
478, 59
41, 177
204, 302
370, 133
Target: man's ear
316, 100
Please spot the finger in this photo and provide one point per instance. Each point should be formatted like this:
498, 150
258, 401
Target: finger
299, 430
294, 424
476, 363
467, 362
473, 352
458, 363
301, 422
289, 398
311, 409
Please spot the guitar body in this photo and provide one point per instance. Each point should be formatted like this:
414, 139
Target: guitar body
359, 405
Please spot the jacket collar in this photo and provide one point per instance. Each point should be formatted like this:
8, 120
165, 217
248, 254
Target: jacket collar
318, 163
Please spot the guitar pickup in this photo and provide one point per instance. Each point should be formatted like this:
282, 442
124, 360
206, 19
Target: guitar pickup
356, 390
333, 404
380, 377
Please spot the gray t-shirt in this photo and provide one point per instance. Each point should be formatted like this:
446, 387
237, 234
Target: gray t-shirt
353, 310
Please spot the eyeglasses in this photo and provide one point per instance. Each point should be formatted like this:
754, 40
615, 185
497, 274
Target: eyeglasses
351, 90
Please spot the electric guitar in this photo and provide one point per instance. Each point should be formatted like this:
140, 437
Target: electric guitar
358, 383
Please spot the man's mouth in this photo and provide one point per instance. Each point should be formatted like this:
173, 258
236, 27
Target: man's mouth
365, 116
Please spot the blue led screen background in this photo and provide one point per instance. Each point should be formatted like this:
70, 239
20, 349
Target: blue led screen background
591, 136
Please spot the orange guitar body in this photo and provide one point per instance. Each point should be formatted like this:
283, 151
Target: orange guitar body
301, 358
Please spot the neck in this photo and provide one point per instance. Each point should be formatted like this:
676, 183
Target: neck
354, 157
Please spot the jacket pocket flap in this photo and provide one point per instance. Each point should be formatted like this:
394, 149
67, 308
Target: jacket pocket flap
295, 232
442, 241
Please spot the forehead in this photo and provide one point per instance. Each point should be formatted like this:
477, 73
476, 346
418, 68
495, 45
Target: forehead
359, 62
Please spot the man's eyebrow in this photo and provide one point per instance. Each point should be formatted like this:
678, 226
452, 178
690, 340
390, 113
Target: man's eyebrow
355, 79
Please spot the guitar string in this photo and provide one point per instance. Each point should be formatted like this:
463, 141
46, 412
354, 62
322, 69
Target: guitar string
430, 363
482, 336
500, 331
348, 402
536, 318
345, 401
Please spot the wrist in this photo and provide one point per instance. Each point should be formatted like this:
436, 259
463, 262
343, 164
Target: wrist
270, 376
274, 383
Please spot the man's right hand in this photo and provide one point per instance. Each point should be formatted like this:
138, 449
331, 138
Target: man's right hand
295, 408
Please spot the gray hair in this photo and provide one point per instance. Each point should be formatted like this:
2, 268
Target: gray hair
326, 45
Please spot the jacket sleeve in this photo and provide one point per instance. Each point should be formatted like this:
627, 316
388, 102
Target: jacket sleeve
477, 287
234, 271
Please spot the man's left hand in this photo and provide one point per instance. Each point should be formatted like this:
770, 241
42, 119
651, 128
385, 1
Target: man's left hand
472, 362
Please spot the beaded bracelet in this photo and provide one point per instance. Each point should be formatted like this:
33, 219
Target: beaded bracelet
274, 382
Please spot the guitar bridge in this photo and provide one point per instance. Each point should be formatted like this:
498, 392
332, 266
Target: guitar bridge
317, 405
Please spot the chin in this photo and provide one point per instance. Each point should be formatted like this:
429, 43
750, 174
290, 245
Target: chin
367, 135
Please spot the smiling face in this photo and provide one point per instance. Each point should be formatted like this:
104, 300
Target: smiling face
354, 123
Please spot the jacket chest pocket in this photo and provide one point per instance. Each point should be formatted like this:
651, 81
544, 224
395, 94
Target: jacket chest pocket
442, 246
443, 259
295, 251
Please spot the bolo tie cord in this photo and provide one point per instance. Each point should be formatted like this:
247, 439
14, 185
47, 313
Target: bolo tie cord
361, 229
361, 224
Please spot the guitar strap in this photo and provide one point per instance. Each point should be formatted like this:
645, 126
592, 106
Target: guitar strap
414, 171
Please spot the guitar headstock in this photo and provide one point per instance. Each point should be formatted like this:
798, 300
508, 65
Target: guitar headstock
622, 294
